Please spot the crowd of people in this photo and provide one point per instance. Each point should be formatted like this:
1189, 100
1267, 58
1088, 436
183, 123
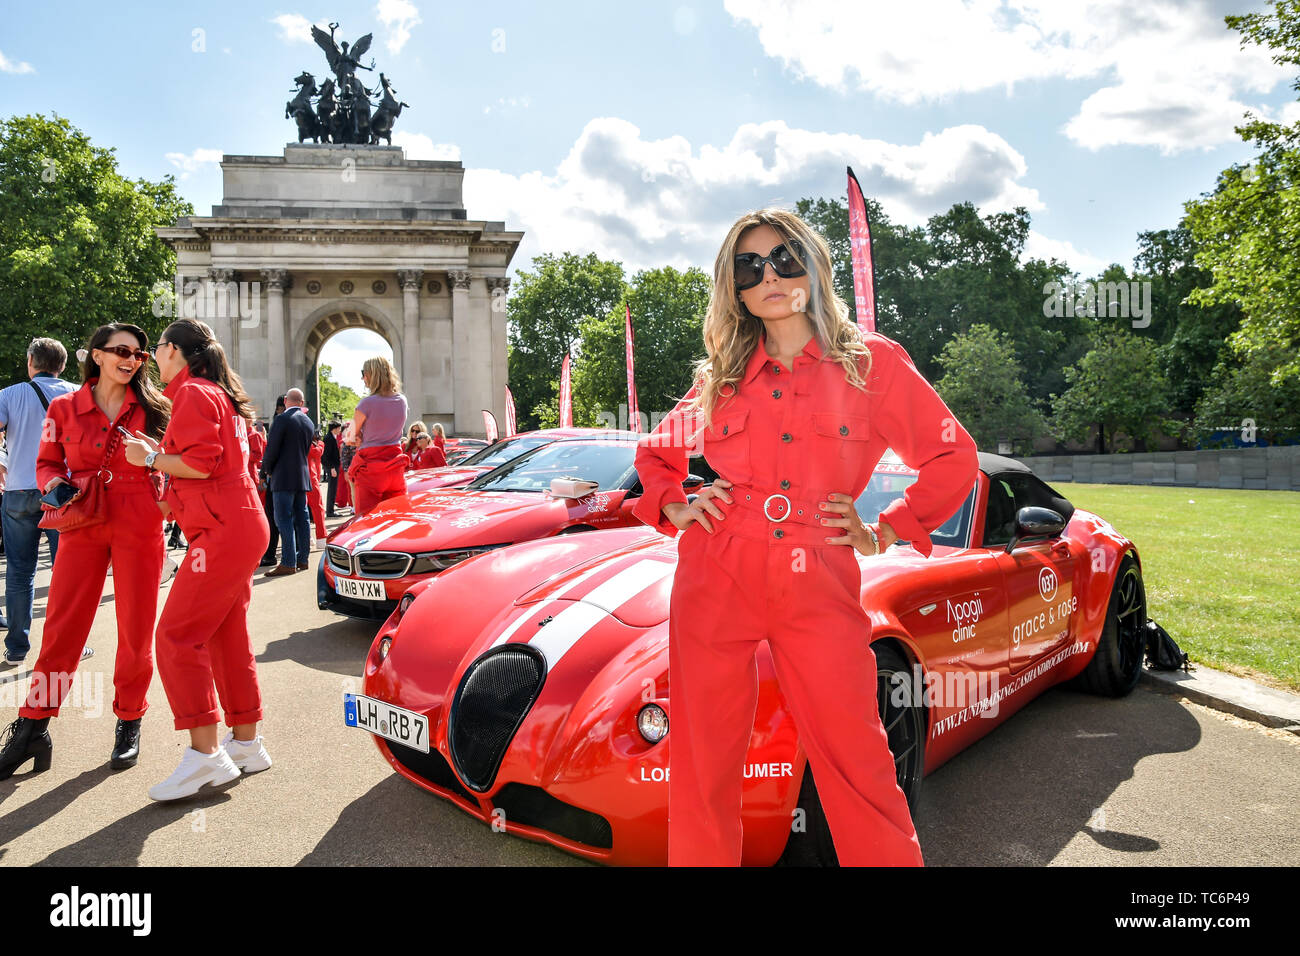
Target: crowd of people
114, 472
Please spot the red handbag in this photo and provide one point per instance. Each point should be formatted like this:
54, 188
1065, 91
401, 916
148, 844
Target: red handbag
86, 508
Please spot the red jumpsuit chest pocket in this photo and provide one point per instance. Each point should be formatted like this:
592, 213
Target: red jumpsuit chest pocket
72, 437
844, 430
726, 445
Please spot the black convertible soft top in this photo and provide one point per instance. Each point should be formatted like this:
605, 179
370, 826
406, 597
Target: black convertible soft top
993, 465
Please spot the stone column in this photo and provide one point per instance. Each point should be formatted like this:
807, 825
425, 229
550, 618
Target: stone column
276, 281
226, 315
412, 377
468, 421
498, 286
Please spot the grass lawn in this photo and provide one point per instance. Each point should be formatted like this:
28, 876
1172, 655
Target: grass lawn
1221, 569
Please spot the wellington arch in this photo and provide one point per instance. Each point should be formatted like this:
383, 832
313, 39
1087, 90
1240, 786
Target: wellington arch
327, 237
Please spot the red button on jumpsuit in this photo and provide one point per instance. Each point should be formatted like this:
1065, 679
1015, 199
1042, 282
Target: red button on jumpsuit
73, 440
202, 636
803, 432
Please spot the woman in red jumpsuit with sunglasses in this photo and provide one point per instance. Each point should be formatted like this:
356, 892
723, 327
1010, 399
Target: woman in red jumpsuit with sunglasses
205, 653
79, 430
800, 408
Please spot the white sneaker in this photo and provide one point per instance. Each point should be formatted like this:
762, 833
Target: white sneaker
196, 771
249, 756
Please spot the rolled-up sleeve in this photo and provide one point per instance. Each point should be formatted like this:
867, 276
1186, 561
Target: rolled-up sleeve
194, 431
661, 464
914, 421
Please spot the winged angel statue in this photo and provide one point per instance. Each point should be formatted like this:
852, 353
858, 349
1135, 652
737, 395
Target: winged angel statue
343, 112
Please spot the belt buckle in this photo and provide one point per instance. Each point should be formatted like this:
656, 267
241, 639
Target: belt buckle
769, 500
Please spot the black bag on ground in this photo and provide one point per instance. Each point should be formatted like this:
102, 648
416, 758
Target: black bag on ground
1163, 652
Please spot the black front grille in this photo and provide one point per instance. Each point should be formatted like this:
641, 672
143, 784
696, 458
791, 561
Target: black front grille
339, 559
431, 766
534, 807
494, 696
383, 563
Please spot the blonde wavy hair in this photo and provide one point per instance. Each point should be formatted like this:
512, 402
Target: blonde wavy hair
732, 332
382, 375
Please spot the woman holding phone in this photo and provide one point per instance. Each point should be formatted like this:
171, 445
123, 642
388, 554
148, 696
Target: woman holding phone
205, 653
85, 432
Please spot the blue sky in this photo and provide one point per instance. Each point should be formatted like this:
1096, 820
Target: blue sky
640, 131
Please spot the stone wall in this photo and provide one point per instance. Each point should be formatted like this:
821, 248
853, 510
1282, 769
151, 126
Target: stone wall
1275, 467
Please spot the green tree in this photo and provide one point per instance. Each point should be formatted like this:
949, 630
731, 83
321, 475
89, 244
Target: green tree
1243, 395
336, 401
982, 385
1117, 387
77, 246
545, 312
667, 318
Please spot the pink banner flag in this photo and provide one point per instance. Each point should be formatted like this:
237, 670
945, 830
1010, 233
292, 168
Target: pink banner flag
864, 269
510, 413
633, 412
489, 426
566, 395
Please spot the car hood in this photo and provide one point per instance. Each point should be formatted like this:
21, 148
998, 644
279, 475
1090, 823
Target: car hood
447, 476
452, 518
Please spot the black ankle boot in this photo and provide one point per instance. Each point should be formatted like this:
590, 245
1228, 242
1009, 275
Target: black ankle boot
126, 744
25, 739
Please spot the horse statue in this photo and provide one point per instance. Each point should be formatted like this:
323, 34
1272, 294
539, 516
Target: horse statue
328, 118
300, 108
381, 124
356, 102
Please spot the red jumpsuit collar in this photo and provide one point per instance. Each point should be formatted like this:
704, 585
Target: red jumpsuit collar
759, 358
83, 400
181, 378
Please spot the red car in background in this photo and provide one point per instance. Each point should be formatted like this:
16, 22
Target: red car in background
529, 685
483, 459
370, 562
458, 449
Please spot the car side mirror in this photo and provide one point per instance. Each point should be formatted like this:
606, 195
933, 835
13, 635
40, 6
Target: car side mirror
692, 484
1034, 522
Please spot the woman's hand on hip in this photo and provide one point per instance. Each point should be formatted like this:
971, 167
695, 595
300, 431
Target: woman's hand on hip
681, 515
855, 532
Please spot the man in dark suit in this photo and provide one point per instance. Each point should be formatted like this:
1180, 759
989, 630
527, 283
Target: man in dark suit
286, 464
330, 462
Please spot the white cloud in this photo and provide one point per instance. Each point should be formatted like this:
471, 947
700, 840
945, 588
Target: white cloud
1039, 246
399, 16
419, 146
654, 202
295, 28
14, 66
508, 102
1169, 73
195, 161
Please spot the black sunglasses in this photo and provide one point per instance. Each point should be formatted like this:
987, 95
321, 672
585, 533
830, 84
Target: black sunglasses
785, 260
126, 352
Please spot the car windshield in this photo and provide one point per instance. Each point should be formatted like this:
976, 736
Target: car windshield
506, 450
885, 488
608, 465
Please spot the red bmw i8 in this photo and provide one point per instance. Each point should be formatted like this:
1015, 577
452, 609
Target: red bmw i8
529, 685
369, 563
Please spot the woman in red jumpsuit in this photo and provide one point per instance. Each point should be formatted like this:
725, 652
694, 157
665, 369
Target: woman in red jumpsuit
314, 504
204, 650
793, 408
79, 428
379, 469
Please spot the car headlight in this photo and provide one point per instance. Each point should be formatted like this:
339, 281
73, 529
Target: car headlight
404, 603
384, 645
435, 561
652, 722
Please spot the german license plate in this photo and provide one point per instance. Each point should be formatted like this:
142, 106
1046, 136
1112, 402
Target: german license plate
397, 724
365, 590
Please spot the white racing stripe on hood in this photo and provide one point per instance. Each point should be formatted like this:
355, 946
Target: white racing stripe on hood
628, 583
566, 629
397, 527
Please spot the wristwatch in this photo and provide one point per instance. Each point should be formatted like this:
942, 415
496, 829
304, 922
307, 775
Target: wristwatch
875, 541
149, 459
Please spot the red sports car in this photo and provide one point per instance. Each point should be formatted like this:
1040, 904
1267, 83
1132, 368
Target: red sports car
529, 686
479, 461
370, 562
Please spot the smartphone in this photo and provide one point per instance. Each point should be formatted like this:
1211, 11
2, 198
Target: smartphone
125, 432
59, 495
